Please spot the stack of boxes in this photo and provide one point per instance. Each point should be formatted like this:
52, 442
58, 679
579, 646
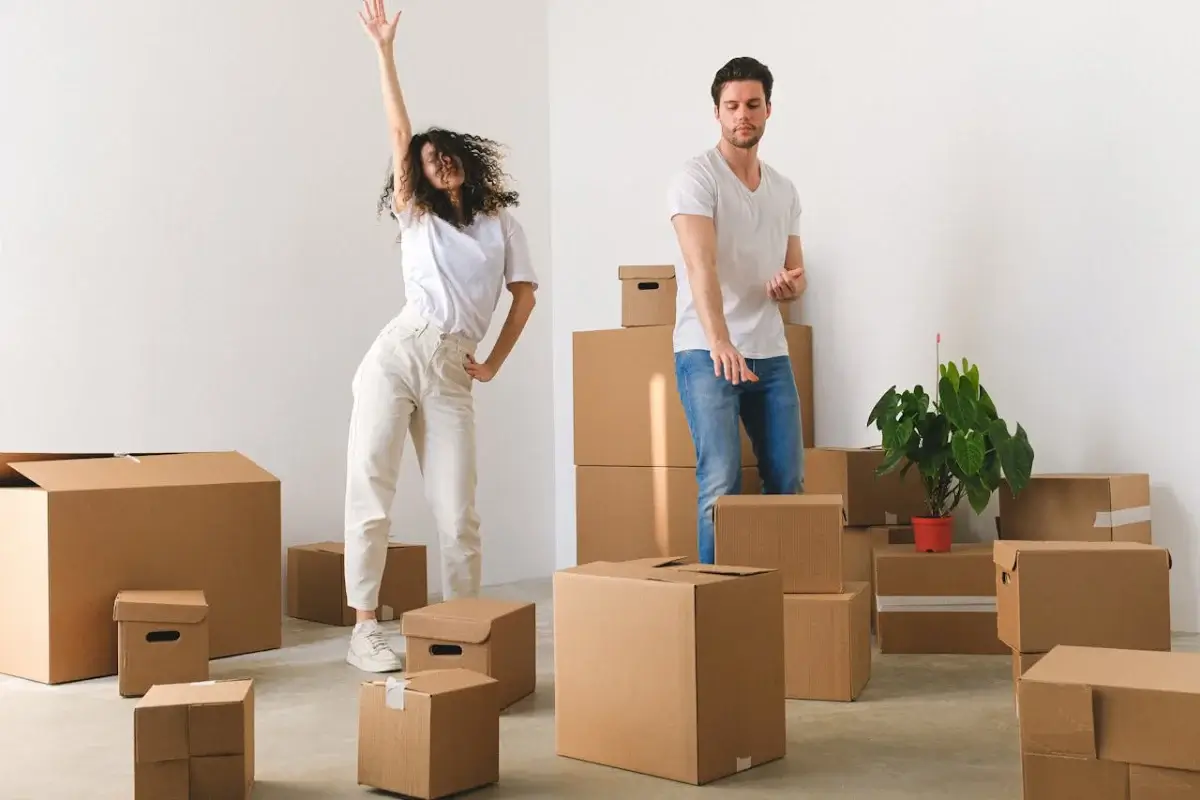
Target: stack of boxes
635, 463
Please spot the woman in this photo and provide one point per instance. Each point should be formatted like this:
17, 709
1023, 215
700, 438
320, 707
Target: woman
459, 248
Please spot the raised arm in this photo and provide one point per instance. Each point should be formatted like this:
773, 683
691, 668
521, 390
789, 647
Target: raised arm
383, 33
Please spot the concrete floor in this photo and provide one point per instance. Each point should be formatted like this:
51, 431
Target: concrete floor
926, 727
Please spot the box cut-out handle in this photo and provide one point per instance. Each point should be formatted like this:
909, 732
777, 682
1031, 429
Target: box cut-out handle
647, 285
445, 650
162, 636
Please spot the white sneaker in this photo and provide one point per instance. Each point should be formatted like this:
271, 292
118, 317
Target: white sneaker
370, 651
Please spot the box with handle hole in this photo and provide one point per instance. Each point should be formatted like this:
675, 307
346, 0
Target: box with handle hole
494, 637
162, 638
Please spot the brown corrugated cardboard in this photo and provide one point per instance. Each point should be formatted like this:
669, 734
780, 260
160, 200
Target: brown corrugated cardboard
669, 669
1022, 662
1155, 783
647, 295
799, 535
827, 641
1063, 778
1101, 594
74, 532
858, 553
162, 637
627, 407
495, 637
1130, 706
625, 513
1084, 508
194, 740
937, 602
429, 734
316, 582
870, 500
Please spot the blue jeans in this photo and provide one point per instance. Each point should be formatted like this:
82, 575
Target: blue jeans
770, 410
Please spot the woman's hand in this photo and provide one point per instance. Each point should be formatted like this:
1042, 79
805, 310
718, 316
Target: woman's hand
480, 370
375, 22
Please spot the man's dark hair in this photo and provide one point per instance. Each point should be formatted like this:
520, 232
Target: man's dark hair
742, 68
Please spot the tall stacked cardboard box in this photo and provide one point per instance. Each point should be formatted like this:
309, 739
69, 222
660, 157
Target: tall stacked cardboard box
636, 494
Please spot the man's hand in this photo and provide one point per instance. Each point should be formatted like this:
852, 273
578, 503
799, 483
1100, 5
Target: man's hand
480, 370
375, 22
728, 363
784, 287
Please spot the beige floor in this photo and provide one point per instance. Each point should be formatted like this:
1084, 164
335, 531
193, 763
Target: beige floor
927, 727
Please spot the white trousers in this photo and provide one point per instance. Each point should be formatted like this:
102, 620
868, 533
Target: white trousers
413, 380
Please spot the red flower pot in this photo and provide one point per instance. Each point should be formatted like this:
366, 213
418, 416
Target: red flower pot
933, 534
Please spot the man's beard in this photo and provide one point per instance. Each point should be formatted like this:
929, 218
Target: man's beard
744, 140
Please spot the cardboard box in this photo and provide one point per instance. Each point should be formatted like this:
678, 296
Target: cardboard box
626, 513
194, 740
858, 554
1021, 663
937, 602
647, 295
827, 644
1100, 594
870, 500
627, 407
316, 582
1110, 717
74, 531
430, 734
669, 669
497, 638
1078, 508
162, 637
799, 535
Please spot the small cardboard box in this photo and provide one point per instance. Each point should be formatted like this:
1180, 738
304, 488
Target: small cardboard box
1078, 508
1097, 594
800, 535
858, 553
827, 641
497, 638
937, 602
627, 411
647, 295
627, 513
194, 740
77, 529
162, 637
316, 582
430, 734
1091, 706
870, 500
669, 669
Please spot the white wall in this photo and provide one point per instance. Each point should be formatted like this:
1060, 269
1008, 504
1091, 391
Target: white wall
1020, 176
189, 252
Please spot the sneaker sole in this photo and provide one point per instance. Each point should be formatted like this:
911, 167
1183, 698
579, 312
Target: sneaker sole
355, 660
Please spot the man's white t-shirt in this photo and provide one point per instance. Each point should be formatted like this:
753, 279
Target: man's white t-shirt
454, 277
752, 239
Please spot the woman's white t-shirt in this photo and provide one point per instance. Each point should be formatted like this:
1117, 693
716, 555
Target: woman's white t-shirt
454, 276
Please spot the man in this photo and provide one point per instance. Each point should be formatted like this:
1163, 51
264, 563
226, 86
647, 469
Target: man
738, 225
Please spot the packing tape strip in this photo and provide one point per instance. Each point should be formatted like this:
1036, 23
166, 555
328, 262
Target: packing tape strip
929, 603
1122, 516
386, 614
394, 693
744, 763
890, 519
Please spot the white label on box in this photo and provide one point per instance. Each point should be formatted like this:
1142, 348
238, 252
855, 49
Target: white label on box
394, 693
743, 764
1122, 516
968, 603
205, 683
889, 518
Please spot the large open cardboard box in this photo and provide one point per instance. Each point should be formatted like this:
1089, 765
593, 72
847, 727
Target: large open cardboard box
77, 529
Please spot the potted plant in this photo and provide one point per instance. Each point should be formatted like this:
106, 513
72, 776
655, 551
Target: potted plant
958, 443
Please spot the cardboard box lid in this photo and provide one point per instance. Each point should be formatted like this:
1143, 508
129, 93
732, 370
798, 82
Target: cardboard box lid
966, 574
675, 571
202, 693
430, 683
8, 462
138, 472
339, 548
1007, 553
1143, 670
646, 272
465, 620
779, 500
186, 607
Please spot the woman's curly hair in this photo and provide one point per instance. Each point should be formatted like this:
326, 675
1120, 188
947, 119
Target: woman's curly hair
484, 189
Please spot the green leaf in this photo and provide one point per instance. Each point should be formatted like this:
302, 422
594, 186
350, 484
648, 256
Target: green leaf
949, 403
897, 437
951, 374
890, 462
978, 495
968, 452
885, 404
1016, 457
